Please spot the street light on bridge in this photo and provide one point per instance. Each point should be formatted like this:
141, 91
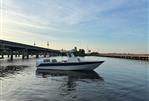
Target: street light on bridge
47, 44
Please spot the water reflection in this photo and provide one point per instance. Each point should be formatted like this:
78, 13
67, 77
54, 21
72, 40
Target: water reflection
69, 80
11, 69
76, 75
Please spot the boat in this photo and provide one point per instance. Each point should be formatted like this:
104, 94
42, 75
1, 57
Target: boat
72, 63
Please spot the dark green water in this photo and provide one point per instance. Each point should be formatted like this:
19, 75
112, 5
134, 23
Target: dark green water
114, 80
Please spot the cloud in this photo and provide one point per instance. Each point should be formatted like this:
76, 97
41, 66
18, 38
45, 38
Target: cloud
69, 13
55, 14
92, 21
18, 18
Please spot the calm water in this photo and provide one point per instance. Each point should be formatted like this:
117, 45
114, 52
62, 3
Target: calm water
114, 80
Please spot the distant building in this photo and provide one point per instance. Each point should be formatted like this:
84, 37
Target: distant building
75, 48
89, 51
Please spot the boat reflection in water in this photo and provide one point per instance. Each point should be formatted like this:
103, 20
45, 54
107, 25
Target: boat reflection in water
76, 75
70, 79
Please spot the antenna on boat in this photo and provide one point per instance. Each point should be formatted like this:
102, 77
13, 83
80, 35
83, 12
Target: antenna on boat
87, 47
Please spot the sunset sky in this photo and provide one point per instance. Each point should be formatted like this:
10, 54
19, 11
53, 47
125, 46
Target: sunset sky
102, 25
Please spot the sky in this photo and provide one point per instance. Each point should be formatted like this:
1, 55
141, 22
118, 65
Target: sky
106, 26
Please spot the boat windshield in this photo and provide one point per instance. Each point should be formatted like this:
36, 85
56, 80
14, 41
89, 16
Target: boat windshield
70, 55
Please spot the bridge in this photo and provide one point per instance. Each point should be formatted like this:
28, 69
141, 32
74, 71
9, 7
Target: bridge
12, 49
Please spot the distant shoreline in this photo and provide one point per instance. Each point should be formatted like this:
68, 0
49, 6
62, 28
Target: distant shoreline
144, 57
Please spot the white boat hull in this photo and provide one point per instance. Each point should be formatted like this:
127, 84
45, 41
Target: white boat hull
71, 66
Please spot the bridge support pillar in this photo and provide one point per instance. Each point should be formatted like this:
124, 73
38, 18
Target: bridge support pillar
37, 56
27, 56
45, 54
2, 56
11, 56
23, 56
15, 54
49, 55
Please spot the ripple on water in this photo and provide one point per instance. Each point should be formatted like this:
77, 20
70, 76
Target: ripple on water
115, 80
11, 69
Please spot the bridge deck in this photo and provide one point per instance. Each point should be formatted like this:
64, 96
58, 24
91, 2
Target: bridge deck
14, 48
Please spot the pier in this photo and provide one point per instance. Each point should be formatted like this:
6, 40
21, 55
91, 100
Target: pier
14, 49
126, 56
